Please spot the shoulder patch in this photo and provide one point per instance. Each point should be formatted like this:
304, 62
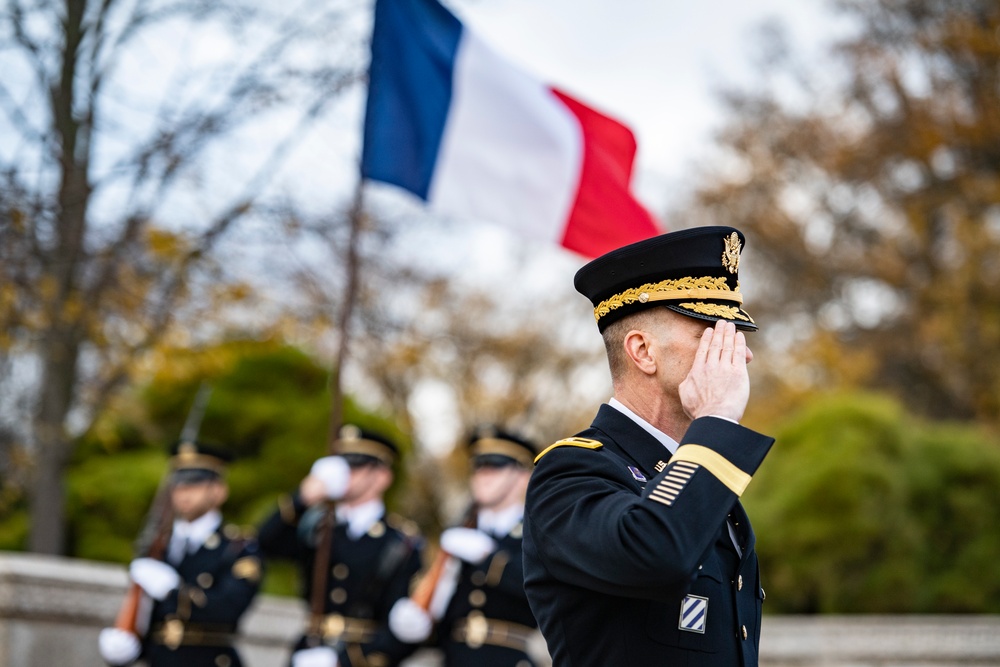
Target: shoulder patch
586, 443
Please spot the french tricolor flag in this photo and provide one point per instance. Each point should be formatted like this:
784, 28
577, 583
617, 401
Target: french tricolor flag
474, 136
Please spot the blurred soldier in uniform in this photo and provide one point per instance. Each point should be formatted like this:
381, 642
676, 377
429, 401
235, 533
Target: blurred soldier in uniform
207, 578
637, 550
361, 566
482, 613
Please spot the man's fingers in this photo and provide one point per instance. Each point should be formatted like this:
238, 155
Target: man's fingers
701, 356
740, 348
718, 337
728, 340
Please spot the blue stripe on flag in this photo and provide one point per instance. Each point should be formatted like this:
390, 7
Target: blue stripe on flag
414, 44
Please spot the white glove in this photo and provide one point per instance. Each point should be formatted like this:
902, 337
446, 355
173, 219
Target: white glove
335, 474
155, 577
321, 656
469, 544
409, 621
118, 647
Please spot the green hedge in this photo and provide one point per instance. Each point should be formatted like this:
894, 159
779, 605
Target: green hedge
860, 508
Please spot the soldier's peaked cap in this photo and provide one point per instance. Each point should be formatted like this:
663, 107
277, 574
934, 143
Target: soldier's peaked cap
490, 445
694, 272
192, 462
360, 446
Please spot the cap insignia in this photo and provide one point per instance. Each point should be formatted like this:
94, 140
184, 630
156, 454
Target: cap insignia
350, 432
731, 255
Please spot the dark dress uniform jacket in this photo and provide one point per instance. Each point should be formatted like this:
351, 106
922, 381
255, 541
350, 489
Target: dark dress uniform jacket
365, 577
621, 571
194, 625
492, 591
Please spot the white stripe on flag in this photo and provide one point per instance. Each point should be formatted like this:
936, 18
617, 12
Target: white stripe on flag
511, 152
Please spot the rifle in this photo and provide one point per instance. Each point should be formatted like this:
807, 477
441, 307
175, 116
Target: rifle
321, 565
423, 593
154, 538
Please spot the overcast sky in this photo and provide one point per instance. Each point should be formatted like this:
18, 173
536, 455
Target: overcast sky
654, 65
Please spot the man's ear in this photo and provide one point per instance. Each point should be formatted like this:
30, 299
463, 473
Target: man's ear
637, 344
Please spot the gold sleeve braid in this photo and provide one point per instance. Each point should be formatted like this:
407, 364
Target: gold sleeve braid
735, 479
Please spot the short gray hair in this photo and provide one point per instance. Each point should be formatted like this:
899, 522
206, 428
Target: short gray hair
614, 340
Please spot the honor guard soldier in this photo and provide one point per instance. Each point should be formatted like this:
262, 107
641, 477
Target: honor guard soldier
208, 577
637, 550
476, 594
356, 561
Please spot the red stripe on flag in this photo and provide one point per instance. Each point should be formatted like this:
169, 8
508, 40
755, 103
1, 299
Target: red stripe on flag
605, 215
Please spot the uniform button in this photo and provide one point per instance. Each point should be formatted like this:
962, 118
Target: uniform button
204, 580
477, 598
744, 632
340, 571
338, 596
478, 578
739, 582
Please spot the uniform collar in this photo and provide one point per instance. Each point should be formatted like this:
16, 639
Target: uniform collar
198, 531
360, 518
630, 439
500, 522
662, 437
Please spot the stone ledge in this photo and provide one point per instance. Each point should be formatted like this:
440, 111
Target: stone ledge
51, 610
918, 639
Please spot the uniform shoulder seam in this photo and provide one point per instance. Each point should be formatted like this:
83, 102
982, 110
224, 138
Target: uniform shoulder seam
585, 443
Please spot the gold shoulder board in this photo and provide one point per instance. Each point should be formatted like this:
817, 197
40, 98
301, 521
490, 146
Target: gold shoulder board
586, 443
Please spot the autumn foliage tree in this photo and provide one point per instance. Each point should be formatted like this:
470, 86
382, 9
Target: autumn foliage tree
871, 198
121, 171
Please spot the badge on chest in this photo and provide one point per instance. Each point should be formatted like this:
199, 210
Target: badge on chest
637, 474
694, 614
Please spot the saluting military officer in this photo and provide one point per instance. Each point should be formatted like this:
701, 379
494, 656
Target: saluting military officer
637, 550
209, 577
367, 560
478, 603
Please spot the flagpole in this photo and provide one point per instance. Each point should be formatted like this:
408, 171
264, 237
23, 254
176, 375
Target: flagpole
352, 263
317, 597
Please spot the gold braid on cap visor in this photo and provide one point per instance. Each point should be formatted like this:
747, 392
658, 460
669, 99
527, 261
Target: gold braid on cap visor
706, 287
365, 447
504, 448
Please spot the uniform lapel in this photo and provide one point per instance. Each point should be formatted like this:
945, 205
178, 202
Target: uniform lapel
632, 441
744, 531
205, 555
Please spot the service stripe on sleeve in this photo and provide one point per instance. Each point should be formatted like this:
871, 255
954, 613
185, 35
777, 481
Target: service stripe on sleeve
727, 473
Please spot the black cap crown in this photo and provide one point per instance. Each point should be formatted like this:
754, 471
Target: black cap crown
492, 446
192, 462
359, 446
694, 272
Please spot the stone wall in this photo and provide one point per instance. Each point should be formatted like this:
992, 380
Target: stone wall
51, 610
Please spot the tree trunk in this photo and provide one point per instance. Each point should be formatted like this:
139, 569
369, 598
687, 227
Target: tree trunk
52, 450
60, 348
